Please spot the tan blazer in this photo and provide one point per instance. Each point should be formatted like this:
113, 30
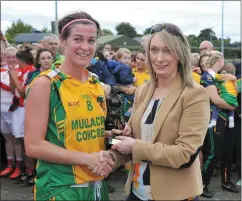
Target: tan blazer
179, 130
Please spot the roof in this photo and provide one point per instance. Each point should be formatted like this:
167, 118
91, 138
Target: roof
29, 37
138, 39
142, 38
108, 38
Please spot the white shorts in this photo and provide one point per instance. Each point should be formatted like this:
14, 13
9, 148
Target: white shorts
6, 122
18, 122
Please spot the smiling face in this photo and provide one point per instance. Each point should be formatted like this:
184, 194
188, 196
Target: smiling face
163, 61
81, 44
10, 58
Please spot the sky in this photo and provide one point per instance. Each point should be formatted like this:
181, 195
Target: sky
190, 16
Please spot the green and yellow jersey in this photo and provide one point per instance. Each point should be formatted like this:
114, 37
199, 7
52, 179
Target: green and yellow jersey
196, 77
227, 90
76, 122
58, 60
142, 77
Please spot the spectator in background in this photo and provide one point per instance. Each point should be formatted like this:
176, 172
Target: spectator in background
18, 78
111, 51
133, 59
140, 71
4, 41
121, 68
107, 55
6, 116
237, 128
107, 47
4, 45
124, 77
196, 71
39, 45
51, 42
216, 138
42, 62
100, 68
227, 91
205, 46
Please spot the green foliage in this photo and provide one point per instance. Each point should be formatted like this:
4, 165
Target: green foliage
125, 28
229, 53
193, 40
147, 31
207, 34
107, 32
45, 30
17, 28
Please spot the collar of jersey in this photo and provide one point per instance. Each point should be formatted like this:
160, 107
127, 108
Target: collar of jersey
86, 72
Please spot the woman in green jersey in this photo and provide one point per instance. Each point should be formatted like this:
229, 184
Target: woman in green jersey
64, 123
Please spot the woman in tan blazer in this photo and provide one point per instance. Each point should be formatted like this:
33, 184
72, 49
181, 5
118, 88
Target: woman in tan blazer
168, 124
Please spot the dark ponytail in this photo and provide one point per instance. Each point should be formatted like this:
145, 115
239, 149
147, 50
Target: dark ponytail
25, 55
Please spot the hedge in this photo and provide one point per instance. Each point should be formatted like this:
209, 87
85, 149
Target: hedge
229, 53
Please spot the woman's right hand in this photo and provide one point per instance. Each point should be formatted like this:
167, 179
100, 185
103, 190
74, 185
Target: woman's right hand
101, 167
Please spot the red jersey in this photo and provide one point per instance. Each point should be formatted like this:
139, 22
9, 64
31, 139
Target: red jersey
22, 74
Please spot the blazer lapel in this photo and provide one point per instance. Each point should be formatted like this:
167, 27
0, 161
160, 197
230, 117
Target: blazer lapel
168, 102
145, 98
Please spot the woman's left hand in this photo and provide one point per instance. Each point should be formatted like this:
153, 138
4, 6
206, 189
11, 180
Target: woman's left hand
125, 146
228, 77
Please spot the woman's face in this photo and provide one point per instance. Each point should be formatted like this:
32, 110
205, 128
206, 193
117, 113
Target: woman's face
45, 60
10, 59
81, 44
164, 62
140, 61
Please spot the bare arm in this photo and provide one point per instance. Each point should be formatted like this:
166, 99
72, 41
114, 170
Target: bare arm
214, 97
12, 86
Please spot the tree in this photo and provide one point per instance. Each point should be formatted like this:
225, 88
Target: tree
147, 31
207, 34
107, 32
45, 30
217, 43
17, 28
193, 40
125, 28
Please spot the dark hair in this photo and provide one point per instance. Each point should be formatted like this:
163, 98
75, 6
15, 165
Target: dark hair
133, 56
100, 56
74, 16
36, 61
237, 65
25, 55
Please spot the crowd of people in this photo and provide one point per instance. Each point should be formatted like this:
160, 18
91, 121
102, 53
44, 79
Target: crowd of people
181, 114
